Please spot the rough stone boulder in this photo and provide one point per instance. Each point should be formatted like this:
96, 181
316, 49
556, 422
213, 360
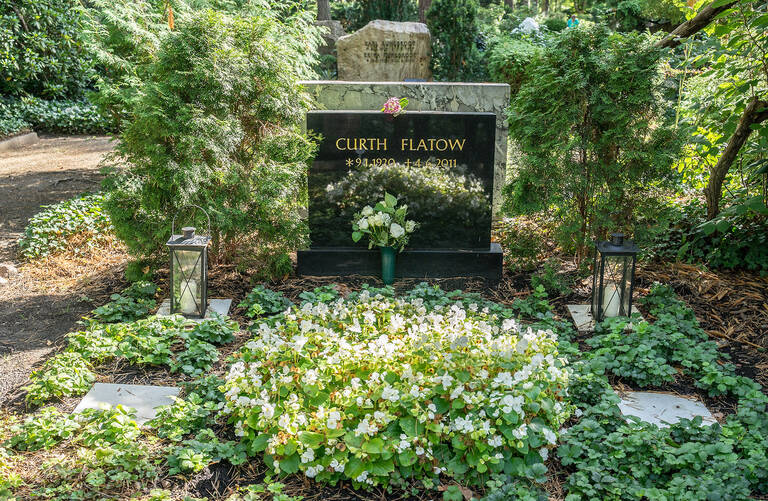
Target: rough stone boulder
385, 51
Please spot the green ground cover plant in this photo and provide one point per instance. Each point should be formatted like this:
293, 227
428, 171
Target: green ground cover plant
340, 377
63, 375
263, 301
133, 303
611, 457
51, 230
349, 390
105, 453
116, 330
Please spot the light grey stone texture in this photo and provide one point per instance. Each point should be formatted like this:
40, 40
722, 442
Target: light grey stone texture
582, 317
425, 96
144, 398
663, 409
388, 51
219, 306
334, 31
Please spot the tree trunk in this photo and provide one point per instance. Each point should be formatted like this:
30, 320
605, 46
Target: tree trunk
323, 10
423, 8
755, 113
510, 4
545, 6
692, 26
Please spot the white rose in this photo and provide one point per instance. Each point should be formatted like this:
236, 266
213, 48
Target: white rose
367, 210
410, 226
363, 224
386, 218
396, 230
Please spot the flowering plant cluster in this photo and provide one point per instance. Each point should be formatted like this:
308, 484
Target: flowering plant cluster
395, 106
385, 224
376, 390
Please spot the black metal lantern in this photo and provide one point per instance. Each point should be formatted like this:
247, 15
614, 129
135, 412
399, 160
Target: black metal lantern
613, 279
189, 270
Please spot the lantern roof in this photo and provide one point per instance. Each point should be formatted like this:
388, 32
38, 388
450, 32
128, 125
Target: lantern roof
188, 239
617, 246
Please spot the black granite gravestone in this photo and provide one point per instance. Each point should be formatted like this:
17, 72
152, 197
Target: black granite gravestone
439, 163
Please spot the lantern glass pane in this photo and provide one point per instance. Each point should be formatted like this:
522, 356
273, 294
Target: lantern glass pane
187, 282
596, 285
616, 282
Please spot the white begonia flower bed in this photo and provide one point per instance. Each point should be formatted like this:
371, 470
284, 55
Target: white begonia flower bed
379, 389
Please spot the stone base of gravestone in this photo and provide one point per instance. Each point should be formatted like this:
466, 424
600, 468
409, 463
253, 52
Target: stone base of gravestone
663, 409
215, 306
582, 318
144, 398
431, 263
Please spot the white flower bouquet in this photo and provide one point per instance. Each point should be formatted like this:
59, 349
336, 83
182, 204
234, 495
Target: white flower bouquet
385, 224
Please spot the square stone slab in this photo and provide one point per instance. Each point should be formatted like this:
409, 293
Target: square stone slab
582, 317
220, 306
145, 399
663, 409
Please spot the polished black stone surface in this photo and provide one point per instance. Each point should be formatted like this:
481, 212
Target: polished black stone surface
440, 164
434, 263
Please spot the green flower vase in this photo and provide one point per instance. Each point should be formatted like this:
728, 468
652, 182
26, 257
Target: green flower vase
388, 264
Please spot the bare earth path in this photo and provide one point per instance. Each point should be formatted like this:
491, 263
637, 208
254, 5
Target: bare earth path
37, 310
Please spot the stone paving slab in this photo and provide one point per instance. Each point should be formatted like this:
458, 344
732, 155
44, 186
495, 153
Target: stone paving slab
144, 398
663, 409
220, 306
582, 317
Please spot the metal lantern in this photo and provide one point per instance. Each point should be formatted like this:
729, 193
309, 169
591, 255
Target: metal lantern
613, 279
189, 270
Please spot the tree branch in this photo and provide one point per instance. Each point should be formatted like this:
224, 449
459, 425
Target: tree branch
692, 26
755, 112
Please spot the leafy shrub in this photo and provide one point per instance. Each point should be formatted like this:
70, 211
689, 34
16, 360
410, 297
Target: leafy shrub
50, 231
453, 27
354, 14
223, 102
629, 15
133, 303
535, 305
263, 301
522, 242
508, 60
555, 23
44, 53
374, 390
60, 116
64, 375
10, 120
549, 278
590, 83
